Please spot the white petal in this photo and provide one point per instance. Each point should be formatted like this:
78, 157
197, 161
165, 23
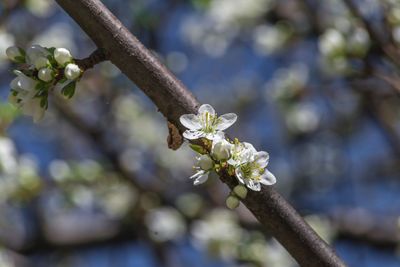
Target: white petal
201, 179
197, 174
249, 147
268, 178
206, 108
14, 84
211, 136
253, 185
226, 121
192, 135
262, 158
190, 121
239, 175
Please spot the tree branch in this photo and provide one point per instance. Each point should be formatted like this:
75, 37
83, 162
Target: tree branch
95, 58
173, 99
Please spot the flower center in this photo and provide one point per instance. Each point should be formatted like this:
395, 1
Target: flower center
252, 170
209, 122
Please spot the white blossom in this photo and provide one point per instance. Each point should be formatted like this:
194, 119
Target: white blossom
203, 166
241, 153
221, 148
72, 71
206, 123
34, 52
254, 173
41, 62
45, 74
23, 82
62, 56
13, 52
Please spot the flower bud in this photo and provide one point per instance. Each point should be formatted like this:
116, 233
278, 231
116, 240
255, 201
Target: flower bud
232, 202
240, 191
72, 71
41, 62
221, 149
62, 56
45, 74
13, 52
23, 82
34, 52
205, 162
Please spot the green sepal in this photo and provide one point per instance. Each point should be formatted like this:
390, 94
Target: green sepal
69, 89
44, 103
198, 149
19, 59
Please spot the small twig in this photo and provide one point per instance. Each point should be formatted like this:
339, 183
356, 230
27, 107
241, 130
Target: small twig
98, 56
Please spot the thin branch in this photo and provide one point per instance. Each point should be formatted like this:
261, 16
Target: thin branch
93, 59
173, 99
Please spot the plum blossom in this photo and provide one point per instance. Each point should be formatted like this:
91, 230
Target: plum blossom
206, 123
203, 166
254, 173
221, 148
241, 153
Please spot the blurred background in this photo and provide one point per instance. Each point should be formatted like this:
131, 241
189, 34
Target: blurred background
315, 83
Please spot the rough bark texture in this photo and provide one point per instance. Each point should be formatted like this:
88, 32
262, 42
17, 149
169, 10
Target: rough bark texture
173, 99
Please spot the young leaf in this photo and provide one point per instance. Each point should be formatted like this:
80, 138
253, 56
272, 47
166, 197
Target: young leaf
69, 89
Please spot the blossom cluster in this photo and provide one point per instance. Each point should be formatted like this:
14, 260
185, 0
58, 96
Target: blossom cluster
39, 71
217, 153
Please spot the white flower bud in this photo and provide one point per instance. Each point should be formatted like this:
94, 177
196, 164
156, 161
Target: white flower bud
14, 84
232, 202
23, 82
13, 52
45, 74
205, 162
72, 71
221, 149
34, 52
62, 56
240, 191
41, 62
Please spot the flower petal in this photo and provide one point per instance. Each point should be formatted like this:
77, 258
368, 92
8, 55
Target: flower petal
268, 178
262, 158
206, 108
197, 174
201, 179
239, 175
253, 185
226, 120
190, 121
192, 135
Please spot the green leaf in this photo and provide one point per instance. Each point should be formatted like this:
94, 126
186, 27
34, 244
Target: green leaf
198, 149
69, 89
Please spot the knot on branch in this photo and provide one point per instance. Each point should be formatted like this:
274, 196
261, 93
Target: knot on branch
175, 138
